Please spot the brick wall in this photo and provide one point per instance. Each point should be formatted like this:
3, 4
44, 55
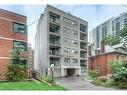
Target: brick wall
99, 62
7, 35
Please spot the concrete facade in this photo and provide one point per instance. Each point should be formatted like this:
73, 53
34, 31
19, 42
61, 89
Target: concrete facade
12, 26
61, 40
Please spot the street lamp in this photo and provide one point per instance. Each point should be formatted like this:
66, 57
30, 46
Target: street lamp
52, 70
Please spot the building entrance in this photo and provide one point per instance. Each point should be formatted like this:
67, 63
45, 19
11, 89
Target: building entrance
70, 72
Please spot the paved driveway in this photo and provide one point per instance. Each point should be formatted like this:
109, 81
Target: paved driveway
78, 83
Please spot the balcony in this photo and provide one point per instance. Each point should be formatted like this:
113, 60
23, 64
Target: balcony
83, 46
83, 28
83, 54
54, 40
54, 51
83, 37
54, 29
54, 18
55, 61
83, 64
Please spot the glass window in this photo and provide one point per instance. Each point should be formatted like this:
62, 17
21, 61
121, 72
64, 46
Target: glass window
74, 33
66, 60
20, 45
66, 30
21, 62
18, 27
75, 60
66, 40
74, 23
74, 51
66, 50
66, 20
75, 42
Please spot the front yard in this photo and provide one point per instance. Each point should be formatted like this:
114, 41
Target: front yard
29, 85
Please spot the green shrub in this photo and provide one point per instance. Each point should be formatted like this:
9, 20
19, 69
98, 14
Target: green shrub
122, 85
97, 82
16, 67
14, 73
109, 83
93, 73
47, 79
119, 70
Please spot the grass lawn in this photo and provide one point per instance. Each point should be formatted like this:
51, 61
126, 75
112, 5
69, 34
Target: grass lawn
31, 85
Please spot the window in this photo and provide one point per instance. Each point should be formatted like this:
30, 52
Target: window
18, 27
75, 42
74, 33
66, 20
66, 40
66, 30
20, 45
74, 51
66, 50
75, 60
66, 60
21, 62
74, 23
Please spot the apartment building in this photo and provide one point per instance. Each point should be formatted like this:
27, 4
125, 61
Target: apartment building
120, 23
109, 27
101, 31
13, 34
61, 40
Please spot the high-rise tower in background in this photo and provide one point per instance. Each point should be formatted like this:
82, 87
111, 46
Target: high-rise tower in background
109, 27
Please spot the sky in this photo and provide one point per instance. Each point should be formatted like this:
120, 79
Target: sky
93, 14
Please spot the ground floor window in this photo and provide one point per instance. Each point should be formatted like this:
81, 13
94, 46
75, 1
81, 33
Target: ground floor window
20, 45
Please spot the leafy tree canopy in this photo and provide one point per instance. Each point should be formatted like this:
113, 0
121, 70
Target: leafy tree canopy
123, 32
112, 40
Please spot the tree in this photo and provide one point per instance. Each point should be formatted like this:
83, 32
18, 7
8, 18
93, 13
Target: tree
119, 70
112, 40
16, 68
123, 32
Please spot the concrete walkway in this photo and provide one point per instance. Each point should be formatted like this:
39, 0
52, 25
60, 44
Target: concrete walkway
79, 83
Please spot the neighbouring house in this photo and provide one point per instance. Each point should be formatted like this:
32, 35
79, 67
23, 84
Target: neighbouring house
61, 39
98, 59
13, 34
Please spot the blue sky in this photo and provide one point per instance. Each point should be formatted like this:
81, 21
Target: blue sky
93, 14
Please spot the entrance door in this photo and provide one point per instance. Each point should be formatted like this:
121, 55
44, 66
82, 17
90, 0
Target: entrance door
70, 72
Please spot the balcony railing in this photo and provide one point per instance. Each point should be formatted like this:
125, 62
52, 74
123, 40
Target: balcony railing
56, 43
55, 20
54, 53
82, 47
